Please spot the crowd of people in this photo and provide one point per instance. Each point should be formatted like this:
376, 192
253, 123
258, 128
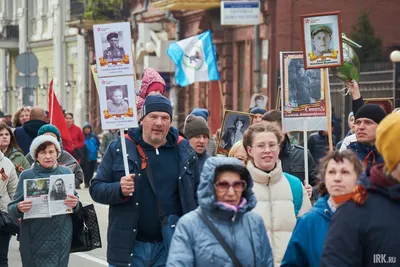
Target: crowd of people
182, 204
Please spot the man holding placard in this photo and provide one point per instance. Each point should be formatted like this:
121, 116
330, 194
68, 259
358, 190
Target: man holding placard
161, 187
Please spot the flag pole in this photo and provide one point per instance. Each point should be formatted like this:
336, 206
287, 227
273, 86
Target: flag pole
328, 107
52, 102
221, 96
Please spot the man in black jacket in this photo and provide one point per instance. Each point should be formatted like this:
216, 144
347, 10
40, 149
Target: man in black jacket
25, 134
292, 156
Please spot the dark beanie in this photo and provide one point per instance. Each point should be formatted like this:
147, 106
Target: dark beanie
257, 110
156, 103
202, 112
194, 126
371, 111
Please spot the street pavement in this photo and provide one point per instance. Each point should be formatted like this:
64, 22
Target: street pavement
94, 258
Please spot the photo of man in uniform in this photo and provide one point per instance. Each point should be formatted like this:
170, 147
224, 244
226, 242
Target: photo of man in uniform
114, 52
321, 37
117, 104
258, 101
58, 191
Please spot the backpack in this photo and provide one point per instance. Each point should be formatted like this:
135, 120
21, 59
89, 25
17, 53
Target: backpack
297, 191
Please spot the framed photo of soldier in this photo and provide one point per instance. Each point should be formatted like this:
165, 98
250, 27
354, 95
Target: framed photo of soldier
259, 100
234, 124
60, 187
113, 45
117, 102
303, 100
322, 40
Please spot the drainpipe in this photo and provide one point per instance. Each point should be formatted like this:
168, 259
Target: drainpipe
257, 59
137, 12
170, 17
257, 56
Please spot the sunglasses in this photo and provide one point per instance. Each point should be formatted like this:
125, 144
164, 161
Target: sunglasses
238, 186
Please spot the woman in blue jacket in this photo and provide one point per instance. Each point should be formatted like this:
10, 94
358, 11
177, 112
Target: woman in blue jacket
226, 199
340, 172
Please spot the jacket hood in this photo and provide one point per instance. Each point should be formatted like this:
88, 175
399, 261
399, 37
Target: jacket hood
87, 125
136, 134
150, 76
32, 127
1, 156
322, 207
381, 183
206, 190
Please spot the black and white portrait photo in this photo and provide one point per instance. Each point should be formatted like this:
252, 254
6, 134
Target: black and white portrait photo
321, 36
60, 187
259, 100
304, 85
117, 99
322, 40
234, 126
58, 191
113, 50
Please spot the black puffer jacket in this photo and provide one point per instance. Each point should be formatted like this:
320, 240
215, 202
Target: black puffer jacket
292, 158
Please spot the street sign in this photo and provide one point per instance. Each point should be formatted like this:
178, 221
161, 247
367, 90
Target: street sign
27, 81
27, 63
240, 13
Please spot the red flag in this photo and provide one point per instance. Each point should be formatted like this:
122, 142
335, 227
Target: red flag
56, 117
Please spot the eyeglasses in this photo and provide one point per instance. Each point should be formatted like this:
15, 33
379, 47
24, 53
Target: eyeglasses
238, 186
261, 147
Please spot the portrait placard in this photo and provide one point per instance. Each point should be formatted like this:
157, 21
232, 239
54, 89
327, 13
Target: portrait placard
234, 125
385, 103
322, 40
113, 45
259, 100
60, 187
303, 96
117, 103
37, 190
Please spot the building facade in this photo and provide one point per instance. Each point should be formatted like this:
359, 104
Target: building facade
238, 46
42, 29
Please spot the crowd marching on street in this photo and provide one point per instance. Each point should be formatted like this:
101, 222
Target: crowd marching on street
183, 204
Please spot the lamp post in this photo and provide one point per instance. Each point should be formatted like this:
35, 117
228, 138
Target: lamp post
395, 57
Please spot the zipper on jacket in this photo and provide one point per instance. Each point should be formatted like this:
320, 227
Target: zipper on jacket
234, 216
271, 214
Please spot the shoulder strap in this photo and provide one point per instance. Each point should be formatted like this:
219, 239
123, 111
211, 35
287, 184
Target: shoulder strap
297, 191
219, 237
149, 174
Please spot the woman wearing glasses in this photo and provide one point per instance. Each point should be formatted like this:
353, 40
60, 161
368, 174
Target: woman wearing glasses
280, 197
226, 199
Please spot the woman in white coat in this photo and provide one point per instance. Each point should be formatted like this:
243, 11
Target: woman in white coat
281, 197
8, 185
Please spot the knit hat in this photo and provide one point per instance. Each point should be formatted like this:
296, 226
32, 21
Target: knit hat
40, 140
195, 125
86, 125
257, 110
387, 140
202, 112
371, 111
156, 103
150, 76
49, 128
350, 115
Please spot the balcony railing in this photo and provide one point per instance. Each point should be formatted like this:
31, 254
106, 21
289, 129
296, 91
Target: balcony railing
186, 4
10, 32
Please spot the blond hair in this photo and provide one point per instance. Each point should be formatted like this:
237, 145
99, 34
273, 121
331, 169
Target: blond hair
234, 148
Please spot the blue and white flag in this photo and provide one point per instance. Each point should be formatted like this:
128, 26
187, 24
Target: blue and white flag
195, 59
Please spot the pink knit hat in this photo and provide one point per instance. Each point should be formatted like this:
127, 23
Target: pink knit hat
150, 76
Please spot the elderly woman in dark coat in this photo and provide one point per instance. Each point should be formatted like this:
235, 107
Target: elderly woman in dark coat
43, 241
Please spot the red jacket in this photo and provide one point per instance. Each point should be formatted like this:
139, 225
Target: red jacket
78, 138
